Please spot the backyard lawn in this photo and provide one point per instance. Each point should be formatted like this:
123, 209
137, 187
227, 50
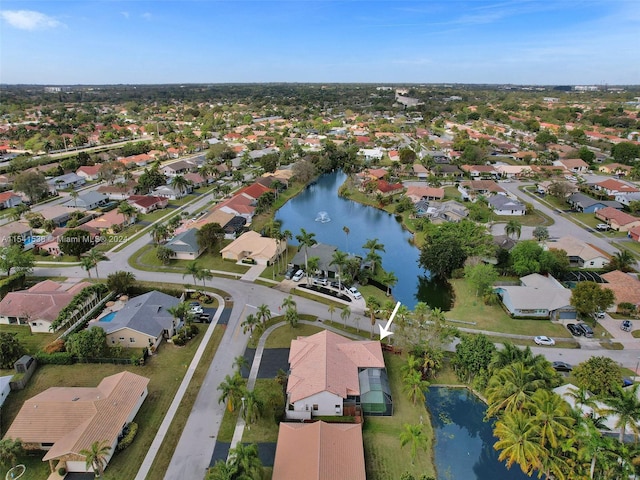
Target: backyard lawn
32, 342
493, 318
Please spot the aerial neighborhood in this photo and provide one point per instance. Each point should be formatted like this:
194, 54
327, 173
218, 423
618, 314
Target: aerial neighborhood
310, 281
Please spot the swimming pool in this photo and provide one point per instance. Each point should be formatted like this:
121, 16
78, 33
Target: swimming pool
108, 317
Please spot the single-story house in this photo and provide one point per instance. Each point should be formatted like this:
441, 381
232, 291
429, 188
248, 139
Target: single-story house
446, 171
371, 154
179, 168
49, 243
221, 218
586, 204
15, 228
89, 172
418, 192
239, 205
59, 214
387, 189
68, 180
168, 192
319, 451
66, 420
634, 233
615, 169
39, 306
323, 252
106, 222
625, 287
185, 246
449, 211
253, 191
326, 370
88, 201
119, 191
581, 254
617, 220
614, 187
252, 246
573, 165
548, 186
480, 171
472, 189
198, 180
511, 171
420, 171
143, 321
503, 205
9, 199
626, 198
147, 203
537, 296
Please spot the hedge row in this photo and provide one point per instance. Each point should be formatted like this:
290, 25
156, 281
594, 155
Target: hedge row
56, 358
12, 283
63, 317
128, 438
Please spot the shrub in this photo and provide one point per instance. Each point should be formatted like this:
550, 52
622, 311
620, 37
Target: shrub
193, 330
43, 253
55, 346
11, 283
57, 358
131, 430
62, 471
178, 340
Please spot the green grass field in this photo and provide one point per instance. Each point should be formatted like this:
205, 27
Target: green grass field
281, 337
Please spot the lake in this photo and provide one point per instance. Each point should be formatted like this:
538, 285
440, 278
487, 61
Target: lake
320, 201
463, 440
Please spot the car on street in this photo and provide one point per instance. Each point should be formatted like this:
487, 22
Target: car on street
543, 340
574, 330
587, 331
603, 227
356, 294
298, 276
561, 366
626, 325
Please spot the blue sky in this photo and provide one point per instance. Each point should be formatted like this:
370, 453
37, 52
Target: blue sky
429, 41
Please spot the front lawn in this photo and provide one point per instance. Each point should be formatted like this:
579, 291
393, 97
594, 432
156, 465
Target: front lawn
146, 259
266, 428
281, 337
469, 308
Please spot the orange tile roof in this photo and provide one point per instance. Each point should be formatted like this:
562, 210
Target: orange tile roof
319, 451
73, 418
625, 287
612, 214
327, 361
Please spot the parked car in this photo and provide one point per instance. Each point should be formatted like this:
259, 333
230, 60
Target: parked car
574, 330
289, 273
320, 281
602, 227
561, 367
196, 310
598, 315
298, 276
626, 325
356, 294
587, 331
543, 340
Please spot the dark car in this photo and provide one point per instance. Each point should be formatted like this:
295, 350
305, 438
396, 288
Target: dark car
561, 367
574, 330
626, 325
290, 273
587, 331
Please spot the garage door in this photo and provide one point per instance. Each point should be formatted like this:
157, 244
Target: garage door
567, 315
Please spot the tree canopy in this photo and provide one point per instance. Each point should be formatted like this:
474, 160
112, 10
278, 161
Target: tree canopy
589, 298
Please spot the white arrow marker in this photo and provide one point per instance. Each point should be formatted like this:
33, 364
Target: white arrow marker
384, 331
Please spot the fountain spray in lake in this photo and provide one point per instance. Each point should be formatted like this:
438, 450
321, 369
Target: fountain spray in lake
323, 217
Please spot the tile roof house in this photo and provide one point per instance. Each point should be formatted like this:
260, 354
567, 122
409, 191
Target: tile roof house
615, 187
147, 203
253, 246
15, 228
470, 190
480, 171
119, 191
179, 168
617, 220
143, 321
185, 245
9, 199
106, 222
319, 451
239, 205
573, 165
89, 172
66, 420
417, 193
420, 171
537, 296
39, 306
615, 169
581, 254
50, 243
503, 205
626, 287
324, 373
634, 234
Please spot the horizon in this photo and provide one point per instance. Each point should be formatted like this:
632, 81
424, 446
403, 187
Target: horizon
472, 42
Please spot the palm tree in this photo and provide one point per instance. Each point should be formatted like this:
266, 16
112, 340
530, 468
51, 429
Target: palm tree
291, 316
374, 247
513, 228
372, 305
541, 233
191, 269
87, 264
412, 365
622, 260
75, 196
306, 240
519, 441
553, 416
415, 386
345, 313
246, 460
331, 309
389, 279
127, 211
511, 388
222, 470
180, 183
415, 436
9, 451
232, 389
96, 457
249, 323
346, 231
288, 303
252, 407
240, 362
204, 274
286, 235
626, 407
95, 257
263, 313
178, 311
159, 232
313, 264
339, 259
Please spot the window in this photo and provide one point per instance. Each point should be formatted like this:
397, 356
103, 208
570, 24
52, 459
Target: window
315, 407
132, 340
121, 339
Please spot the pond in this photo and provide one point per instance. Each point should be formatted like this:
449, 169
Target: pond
320, 210
463, 440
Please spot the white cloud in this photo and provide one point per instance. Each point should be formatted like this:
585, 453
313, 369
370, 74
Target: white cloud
29, 20
146, 16
125, 14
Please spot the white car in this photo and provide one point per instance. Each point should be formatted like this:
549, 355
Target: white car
356, 294
602, 226
196, 310
298, 276
542, 340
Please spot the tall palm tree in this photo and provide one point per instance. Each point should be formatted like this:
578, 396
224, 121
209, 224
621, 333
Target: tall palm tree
626, 406
331, 309
96, 457
415, 437
232, 389
414, 386
95, 257
519, 441
622, 260
306, 240
389, 279
204, 274
159, 232
289, 302
252, 407
553, 416
87, 264
339, 259
178, 312
246, 460
345, 313
513, 228
372, 305
374, 247
286, 235
180, 183
263, 313
312, 267
511, 388
127, 211
291, 316
192, 269
346, 231
249, 323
